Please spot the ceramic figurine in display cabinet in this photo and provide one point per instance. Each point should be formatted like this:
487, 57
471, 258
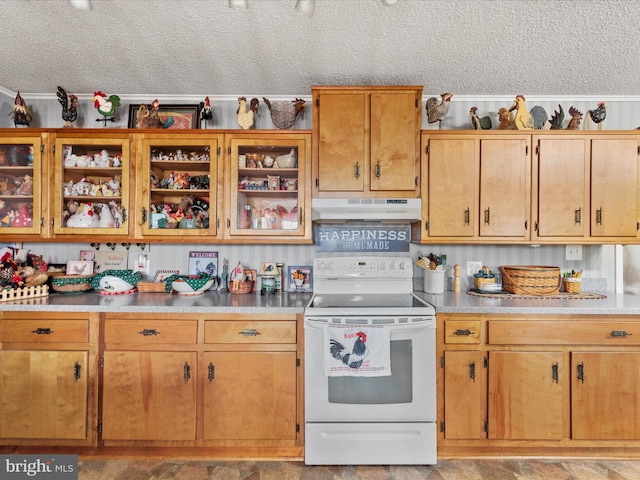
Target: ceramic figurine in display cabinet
523, 120
20, 112
246, 115
283, 113
85, 217
106, 106
437, 111
69, 107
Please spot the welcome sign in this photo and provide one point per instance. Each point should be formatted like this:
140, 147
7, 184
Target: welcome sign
362, 238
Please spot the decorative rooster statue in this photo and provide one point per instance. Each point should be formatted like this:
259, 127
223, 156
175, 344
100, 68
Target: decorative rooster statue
106, 106
206, 112
69, 107
20, 112
437, 111
557, 119
246, 116
477, 123
597, 116
524, 120
576, 118
284, 114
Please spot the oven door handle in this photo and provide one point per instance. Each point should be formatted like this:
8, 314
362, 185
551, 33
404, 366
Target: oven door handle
319, 326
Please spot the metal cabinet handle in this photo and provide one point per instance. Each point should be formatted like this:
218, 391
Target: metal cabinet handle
124, 215
486, 216
472, 371
620, 333
144, 215
149, 332
467, 216
599, 216
212, 372
580, 372
76, 372
42, 331
378, 170
554, 372
462, 332
247, 332
356, 170
187, 372
578, 216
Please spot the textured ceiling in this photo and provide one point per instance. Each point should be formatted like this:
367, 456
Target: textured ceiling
189, 47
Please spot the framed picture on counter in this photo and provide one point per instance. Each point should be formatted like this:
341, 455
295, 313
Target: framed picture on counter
300, 278
203, 262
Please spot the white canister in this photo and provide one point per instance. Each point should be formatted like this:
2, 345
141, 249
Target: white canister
434, 281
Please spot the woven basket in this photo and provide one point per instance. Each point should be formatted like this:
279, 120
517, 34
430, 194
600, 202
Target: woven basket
531, 280
572, 285
151, 287
242, 287
482, 281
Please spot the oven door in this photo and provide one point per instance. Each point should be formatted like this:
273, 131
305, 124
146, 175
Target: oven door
408, 394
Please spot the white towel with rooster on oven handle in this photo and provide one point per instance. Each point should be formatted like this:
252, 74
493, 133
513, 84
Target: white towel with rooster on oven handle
357, 351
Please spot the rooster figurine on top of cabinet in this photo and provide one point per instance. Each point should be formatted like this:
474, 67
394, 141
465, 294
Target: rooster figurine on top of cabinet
20, 112
69, 107
246, 116
283, 113
597, 116
206, 112
437, 111
106, 106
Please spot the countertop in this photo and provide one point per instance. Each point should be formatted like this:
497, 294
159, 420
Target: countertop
217, 302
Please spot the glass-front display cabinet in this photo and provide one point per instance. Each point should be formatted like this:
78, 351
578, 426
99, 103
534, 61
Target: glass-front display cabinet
92, 172
268, 184
21, 192
178, 187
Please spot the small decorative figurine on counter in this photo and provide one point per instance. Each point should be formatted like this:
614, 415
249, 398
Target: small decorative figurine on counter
523, 120
477, 123
206, 112
69, 107
437, 111
106, 106
224, 276
283, 113
20, 112
246, 116
597, 116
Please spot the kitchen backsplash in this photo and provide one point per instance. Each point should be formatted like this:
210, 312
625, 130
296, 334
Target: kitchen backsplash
598, 261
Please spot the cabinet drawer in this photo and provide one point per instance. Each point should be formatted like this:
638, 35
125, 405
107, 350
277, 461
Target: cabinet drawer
564, 333
249, 332
150, 331
462, 331
44, 331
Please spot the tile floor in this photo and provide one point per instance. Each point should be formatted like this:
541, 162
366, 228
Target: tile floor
493, 469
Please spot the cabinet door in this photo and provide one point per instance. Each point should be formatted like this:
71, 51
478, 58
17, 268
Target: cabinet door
614, 187
395, 141
505, 178
604, 396
178, 191
452, 187
526, 395
22, 195
43, 394
267, 185
149, 396
465, 393
91, 185
342, 142
561, 192
250, 396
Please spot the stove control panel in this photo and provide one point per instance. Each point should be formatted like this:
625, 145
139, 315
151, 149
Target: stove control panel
363, 267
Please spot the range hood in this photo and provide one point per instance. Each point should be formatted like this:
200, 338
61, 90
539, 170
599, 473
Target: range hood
367, 209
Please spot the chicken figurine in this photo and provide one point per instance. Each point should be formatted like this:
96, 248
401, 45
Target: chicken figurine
69, 107
477, 123
20, 112
106, 106
283, 113
246, 116
206, 112
523, 120
597, 116
437, 111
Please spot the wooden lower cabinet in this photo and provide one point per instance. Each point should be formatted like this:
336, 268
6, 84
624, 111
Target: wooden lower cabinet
538, 385
48, 379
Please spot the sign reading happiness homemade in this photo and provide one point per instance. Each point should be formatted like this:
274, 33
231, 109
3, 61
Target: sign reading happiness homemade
362, 238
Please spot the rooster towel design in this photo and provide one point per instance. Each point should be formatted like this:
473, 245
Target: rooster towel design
357, 351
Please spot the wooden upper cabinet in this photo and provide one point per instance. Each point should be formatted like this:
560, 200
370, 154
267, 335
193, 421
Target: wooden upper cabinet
366, 140
615, 187
561, 187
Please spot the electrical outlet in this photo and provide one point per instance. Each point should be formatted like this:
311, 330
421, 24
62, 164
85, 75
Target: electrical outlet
473, 267
574, 252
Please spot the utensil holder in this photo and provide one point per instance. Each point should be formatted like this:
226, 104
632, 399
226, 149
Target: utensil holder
433, 281
572, 285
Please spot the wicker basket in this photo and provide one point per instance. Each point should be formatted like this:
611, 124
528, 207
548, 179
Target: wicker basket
242, 287
71, 283
572, 284
531, 280
482, 281
151, 287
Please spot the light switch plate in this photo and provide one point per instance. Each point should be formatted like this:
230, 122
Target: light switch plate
473, 267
